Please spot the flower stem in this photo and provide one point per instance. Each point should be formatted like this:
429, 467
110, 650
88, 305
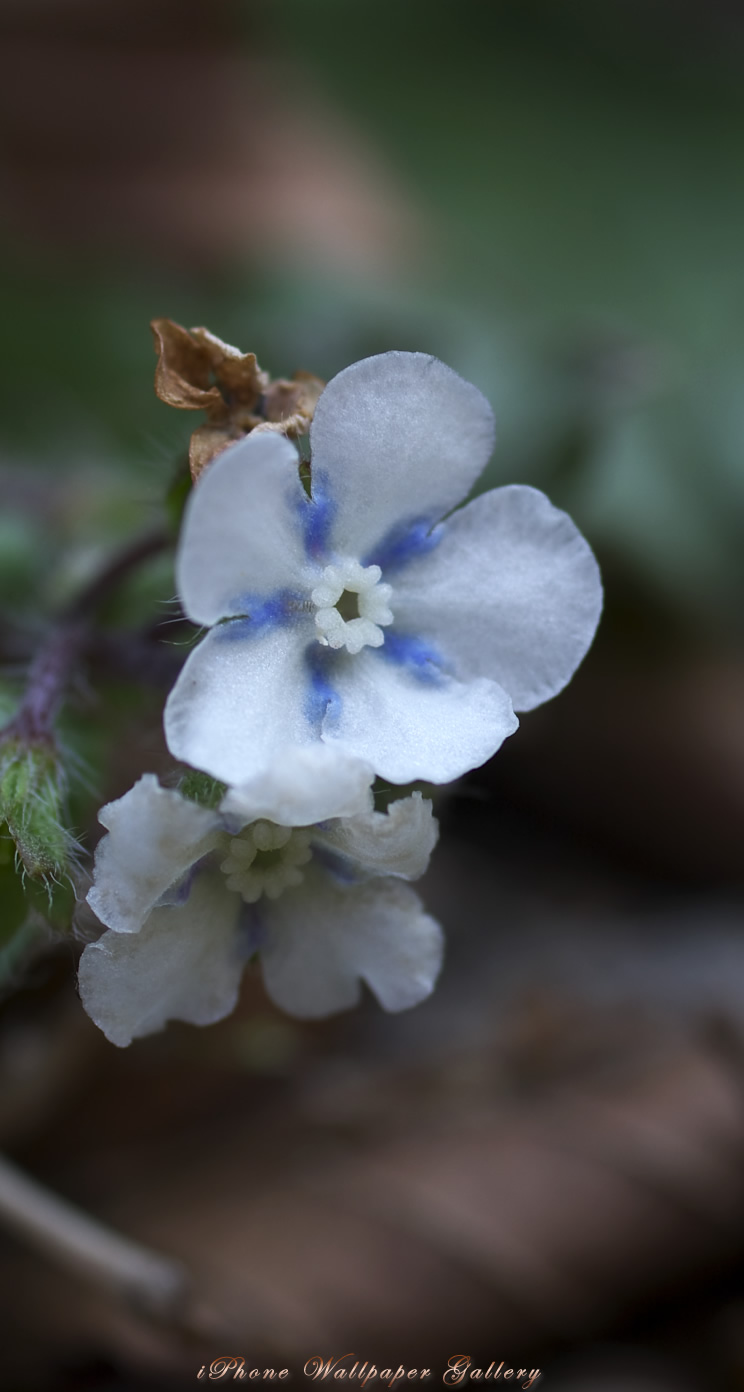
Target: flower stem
119, 568
54, 663
46, 683
72, 1238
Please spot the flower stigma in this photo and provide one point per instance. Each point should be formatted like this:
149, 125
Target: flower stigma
351, 606
265, 859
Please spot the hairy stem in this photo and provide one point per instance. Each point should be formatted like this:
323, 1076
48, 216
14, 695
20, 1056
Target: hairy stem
52, 668
47, 681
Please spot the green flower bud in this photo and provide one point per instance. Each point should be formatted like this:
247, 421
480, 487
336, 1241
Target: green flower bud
199, 787
32, 806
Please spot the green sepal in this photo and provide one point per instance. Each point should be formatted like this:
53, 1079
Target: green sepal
306, 478
32, 807
32, 914
199, 787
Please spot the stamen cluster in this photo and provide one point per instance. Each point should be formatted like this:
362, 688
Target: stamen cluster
266, 859
335, 621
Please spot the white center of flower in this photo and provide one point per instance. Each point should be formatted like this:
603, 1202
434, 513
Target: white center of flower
351, 606
266, 859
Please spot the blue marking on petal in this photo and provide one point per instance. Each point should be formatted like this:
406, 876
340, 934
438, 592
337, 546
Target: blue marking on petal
258, 614
416, 655
317, 515
343, 870
403, 543
323, 702
233, 630
178, 893
252, 931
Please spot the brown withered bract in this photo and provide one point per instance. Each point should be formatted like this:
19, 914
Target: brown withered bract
196, 371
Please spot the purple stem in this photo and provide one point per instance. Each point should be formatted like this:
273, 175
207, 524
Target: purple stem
51, 670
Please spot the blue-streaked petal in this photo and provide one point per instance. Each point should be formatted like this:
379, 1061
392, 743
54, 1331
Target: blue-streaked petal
410, 726
403, 543
512, 592
414, 653
397, 438
318, 519
241, 701
322, 701
244, 530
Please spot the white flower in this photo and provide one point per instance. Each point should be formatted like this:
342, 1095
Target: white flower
357, 617
190, 894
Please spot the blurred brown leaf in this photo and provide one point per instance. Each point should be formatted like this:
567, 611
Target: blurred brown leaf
432, 1209
143, 130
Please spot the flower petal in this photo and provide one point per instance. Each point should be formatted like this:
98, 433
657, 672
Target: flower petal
326, 938
184, 964
302, 786
242, 535
239, 702
154, 835
512, 591
396, 439
397, 842
412, 723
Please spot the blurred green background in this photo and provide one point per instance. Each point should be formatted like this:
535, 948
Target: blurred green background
549, 198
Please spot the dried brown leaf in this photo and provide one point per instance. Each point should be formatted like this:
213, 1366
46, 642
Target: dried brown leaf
238, 375
206, 442
292, 404
197, 371
182, 376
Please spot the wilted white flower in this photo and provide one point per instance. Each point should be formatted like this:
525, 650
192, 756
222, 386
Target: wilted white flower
356, 616
190, 894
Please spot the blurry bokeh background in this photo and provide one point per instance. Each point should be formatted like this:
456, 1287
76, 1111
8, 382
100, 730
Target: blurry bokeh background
545, 1163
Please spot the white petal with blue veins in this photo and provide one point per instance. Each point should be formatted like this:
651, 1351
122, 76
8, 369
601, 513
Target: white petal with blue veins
396, 438
241, 701
412, 721
243, 530
511, 591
